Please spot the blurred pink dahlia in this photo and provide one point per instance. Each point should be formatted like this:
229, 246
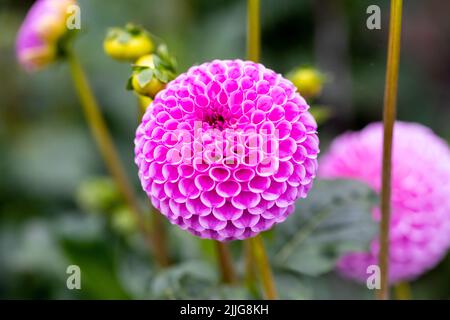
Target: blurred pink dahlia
420, 219
226, 149
43, 27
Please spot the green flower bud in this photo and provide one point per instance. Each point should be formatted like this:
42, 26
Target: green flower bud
98, 195
123, 221
309, 82
151, 73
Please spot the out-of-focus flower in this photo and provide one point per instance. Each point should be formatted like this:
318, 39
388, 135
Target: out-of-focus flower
129, 43
226, 149
309, 81
42, 29
420, 221
123, 221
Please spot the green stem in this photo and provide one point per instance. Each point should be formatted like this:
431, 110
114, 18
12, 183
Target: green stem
159, 237
389, 114
105, 144
253, 31
262, 263
225, 263
250, 270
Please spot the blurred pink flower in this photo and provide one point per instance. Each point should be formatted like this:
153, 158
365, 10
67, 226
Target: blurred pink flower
43, 27
226, 149
420, 219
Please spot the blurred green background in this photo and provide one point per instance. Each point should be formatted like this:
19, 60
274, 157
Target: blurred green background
47, 153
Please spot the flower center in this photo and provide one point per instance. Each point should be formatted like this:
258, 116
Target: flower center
216, 120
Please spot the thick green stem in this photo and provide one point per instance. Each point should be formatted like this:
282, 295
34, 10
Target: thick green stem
389, 114
253, 31
106, 146
250, 270
262, 263
159, 237
225, 263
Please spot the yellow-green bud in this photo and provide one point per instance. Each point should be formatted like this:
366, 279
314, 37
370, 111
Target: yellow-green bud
128, 44
309, 81
148, 88
150, 74
98, 195
123, 221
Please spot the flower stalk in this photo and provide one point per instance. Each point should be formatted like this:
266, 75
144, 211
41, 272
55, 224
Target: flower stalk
251, 280
253, 30
263, 266
108, 151
389, 114
225, 263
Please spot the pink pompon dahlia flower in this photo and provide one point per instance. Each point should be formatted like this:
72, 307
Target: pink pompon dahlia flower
420, 218
43, 27
226, 149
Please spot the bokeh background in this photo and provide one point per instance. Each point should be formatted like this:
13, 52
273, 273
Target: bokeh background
46, 153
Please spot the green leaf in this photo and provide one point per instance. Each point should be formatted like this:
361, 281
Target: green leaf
129, 85
188, 280
144, 76
194, 280
334, 219
291, 286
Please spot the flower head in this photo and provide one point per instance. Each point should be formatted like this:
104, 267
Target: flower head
226, 149
420, 218
43, 27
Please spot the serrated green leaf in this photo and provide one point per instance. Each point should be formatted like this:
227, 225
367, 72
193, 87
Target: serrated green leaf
335, 219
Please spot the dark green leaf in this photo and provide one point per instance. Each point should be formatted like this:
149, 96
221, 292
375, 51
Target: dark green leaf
98, 276
334, 219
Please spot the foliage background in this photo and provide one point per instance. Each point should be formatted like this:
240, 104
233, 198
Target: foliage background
46, 150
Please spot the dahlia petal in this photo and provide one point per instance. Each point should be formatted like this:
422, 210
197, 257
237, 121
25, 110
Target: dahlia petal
228, 188
227, 212
212, 199
196, 206
246, 200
